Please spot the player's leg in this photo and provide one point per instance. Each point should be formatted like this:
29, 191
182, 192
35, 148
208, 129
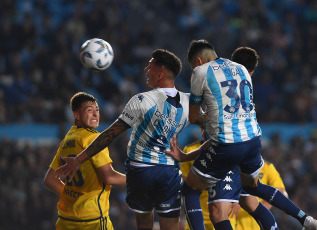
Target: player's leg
138, 198
167, 196
210, 167
250, 167
191, 191
258, 211
144, 221
279, 200
219, 215
221, 196
169, 223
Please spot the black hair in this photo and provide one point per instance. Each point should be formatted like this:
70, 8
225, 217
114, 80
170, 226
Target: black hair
79, 98
197, 46
168, 59
246, 56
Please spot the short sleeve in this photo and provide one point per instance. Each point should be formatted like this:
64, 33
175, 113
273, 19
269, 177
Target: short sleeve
274, 179
131, 112
197, 85
55, 164
102, 158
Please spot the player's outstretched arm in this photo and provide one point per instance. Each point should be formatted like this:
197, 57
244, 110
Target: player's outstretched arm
53, 183
179, 155
101, 142
110, 176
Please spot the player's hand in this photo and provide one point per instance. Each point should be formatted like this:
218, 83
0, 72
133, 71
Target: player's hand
234, 210
175, 152
70, 168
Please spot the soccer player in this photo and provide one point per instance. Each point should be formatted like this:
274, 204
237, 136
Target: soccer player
235, 135
268, 175
153, 178
84, 200
226, 193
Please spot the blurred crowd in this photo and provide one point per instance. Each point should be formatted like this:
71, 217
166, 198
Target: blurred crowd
40, 70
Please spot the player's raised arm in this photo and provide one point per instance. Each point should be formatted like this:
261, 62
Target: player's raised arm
101, 142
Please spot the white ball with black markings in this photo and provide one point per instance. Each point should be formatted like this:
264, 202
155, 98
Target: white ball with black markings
96, 54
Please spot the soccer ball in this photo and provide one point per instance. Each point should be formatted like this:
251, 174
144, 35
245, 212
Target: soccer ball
96, 54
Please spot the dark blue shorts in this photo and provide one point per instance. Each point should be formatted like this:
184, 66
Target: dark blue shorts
156, 187
215, 161
228, 189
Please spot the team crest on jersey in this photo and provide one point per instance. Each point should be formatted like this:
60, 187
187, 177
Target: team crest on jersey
158, 141
140, 97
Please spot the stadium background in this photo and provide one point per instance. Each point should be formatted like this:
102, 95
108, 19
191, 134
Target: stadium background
40, 71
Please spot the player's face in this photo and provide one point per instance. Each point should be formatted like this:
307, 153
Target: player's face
88, 115
153, 72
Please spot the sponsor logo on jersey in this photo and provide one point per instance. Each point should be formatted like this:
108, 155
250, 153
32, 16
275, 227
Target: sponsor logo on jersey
72, 193
125, 114
167, 118
239, 115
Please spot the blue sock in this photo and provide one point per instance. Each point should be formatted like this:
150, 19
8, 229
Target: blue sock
264, 218
193, 210
223, 225
276, 198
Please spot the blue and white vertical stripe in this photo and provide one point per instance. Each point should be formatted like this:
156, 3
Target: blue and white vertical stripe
228, 97
155, 120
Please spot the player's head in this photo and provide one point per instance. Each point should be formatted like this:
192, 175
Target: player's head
162, 69
200, 52
246, 56
85, 109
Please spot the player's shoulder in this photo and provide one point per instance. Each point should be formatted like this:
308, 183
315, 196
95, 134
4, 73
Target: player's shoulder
89, 130
147, 95
86, 133
268, 165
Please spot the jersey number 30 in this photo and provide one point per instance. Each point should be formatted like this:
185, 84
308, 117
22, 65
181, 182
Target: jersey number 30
231, 93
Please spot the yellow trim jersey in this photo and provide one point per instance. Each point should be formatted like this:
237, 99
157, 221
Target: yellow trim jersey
85, 197
270, 176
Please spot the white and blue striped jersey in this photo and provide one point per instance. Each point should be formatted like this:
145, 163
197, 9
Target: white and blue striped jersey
226, 89
155, 119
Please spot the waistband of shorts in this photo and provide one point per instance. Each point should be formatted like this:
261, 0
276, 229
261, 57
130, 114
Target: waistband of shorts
215, 143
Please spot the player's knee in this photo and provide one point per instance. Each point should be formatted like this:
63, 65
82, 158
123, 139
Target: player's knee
218, 211
252, 188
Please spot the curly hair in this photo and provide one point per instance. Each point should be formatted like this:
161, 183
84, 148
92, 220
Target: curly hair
246, 56
168, 59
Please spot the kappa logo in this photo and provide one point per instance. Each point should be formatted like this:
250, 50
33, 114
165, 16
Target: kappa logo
227, 179
227, 187
274, 227
208, 156
203, 162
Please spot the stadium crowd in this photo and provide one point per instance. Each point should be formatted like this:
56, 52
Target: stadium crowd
40, 70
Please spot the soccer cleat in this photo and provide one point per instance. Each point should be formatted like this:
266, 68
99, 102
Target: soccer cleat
310, 223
